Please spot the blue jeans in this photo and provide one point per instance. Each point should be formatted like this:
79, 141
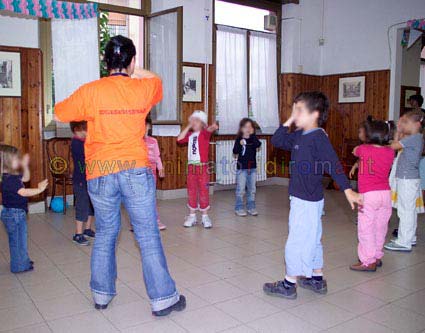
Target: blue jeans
245, 183
136, 189
303, 249
15, 221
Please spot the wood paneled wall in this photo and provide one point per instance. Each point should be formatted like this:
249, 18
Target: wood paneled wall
21, 118
344, 119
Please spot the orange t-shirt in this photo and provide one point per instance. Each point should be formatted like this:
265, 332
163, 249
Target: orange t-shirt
115, 109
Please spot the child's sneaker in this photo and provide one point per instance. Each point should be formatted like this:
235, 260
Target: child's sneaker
179, 306
318, 286
252, 212
280, 289
393, 246
80, 239
190, 221
206, 221
413, 241
241, 212
89, 233
161, 226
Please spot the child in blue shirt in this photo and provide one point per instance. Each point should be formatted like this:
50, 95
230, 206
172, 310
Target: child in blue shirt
15, 171
311, 155
84, 213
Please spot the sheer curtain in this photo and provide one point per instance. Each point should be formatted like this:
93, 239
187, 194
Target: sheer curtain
231, 77
75, 50
263, 80
163, 61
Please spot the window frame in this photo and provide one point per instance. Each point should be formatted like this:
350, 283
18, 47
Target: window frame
260, 4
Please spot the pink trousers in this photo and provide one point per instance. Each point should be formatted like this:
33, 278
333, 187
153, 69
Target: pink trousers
372, 226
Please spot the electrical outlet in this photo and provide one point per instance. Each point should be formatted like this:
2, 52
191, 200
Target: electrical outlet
300, 68
321, 41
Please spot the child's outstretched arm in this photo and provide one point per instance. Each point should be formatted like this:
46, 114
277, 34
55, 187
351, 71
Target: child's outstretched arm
183, 136
212, 128
29, 192
26, 175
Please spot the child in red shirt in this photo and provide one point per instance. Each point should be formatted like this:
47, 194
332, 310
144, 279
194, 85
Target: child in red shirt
375, 161
197, 135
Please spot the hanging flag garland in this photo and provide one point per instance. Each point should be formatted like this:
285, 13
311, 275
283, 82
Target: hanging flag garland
412, 24
51, 8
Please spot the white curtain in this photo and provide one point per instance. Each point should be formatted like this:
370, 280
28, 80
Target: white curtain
75, 48
163, 61
263, 81
231, 77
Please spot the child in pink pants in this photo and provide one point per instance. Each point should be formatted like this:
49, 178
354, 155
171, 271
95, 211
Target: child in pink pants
375, 160
197, 135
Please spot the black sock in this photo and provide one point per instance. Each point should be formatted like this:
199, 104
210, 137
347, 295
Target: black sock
318, 277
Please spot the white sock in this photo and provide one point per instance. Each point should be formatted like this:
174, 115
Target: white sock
318, 274
289, 279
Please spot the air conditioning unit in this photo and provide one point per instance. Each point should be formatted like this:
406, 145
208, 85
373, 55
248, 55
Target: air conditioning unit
270, 22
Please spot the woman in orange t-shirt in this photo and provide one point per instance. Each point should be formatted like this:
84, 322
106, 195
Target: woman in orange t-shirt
118, 171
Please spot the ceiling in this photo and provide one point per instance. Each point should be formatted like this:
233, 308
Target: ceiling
284, 1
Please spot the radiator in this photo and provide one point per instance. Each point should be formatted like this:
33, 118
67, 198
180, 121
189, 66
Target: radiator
226, 162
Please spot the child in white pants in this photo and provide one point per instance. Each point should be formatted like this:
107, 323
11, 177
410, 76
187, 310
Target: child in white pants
407, 178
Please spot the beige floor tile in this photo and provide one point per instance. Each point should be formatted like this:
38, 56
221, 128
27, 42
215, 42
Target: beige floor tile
247, 308
382, 290
227, 269
53, 289
38, 276
252, 282
194, 277
38, 328
64, 306
161, 326
239, 329
22, 316
282, 322
89, 322
11, 298
354, 301
396, 318
208, 319
357, 325
217, 291
321, 314
130, 314
414, 302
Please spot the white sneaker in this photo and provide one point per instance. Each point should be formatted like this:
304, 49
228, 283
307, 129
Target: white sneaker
252, 212
190, 221
206, 221
240, 212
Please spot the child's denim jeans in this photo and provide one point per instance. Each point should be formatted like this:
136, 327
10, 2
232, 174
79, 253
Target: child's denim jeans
245, 183
15, 221
135, 189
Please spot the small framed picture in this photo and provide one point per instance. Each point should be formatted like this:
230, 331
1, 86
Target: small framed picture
10, 74
352, 89
192, 84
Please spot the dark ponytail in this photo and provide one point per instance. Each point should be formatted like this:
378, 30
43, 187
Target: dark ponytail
119, 53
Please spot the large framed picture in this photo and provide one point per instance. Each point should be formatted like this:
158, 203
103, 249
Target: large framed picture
10, 74
352, 89
192, 84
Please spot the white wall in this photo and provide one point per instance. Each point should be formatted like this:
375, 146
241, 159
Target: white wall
18, 31
355, 34
197, 29
411, 64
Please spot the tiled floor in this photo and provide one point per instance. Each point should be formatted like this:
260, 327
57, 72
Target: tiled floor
221, 272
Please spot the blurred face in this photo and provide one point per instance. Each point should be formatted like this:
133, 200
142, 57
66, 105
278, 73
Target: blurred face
81, 134
247, 129
413, 103
196, 124
15, 162
304, 119
362, 134
408, 126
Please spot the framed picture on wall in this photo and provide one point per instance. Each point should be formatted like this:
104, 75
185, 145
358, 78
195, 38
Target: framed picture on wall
352, 89
405, 94
192, 84
10, 74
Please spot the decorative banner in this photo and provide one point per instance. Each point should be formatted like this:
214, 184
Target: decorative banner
412, 24
51, 8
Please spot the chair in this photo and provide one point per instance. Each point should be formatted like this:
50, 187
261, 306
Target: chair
60, 162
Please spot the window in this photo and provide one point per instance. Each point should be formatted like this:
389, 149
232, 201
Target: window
246, 69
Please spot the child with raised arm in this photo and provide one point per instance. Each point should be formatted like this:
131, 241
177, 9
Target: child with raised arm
409, 139
311, 155
15, 171
197, 135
